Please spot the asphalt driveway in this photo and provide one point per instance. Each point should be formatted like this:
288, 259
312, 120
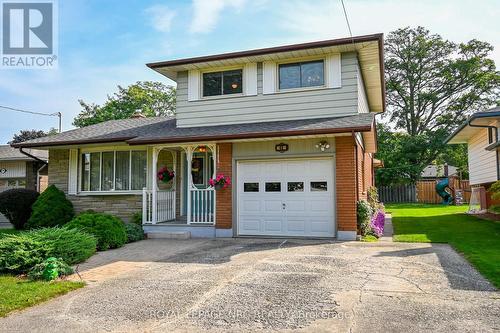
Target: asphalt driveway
250, 285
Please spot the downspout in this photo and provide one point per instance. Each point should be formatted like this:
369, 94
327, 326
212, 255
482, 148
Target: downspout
40, 169
496, 140
356, 165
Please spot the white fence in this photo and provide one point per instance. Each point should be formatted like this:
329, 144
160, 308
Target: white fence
163, 211
201, 207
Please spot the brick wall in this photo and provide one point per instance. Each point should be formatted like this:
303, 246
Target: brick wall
345, 164
224, 214
122, 206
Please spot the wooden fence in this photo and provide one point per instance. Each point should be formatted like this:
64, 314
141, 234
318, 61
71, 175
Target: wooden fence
398, 193
424, 191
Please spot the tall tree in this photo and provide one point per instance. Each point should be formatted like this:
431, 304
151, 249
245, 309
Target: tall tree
433, 85
25, 135
150, 98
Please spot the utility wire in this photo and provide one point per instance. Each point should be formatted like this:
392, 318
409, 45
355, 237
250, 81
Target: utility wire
55, 114
347, 20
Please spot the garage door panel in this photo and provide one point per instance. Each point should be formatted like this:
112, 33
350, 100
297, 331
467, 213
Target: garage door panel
291, 205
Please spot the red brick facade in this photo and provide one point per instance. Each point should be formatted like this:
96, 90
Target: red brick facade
345, 165
224, 202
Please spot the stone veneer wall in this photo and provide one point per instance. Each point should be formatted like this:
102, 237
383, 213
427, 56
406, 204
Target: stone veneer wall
122, 206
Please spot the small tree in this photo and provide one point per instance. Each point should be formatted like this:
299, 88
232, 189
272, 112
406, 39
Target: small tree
52, 208
25, 135
16, 204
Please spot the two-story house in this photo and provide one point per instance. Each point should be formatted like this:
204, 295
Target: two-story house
292, 126
480, 133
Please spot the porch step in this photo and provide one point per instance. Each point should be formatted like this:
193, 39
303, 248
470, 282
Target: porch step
169, 235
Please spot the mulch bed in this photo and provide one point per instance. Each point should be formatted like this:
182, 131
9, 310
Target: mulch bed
488, 216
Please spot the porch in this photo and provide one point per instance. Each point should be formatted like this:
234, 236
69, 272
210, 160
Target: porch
179, 193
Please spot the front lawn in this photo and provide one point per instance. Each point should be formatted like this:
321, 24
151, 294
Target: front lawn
478, 240
17, 293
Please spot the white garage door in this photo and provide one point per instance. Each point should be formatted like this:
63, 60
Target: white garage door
286, 198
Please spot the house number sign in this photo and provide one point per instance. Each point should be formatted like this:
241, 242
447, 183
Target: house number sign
281, 147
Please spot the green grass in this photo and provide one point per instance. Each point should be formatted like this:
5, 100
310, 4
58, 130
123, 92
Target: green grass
478, 240
369, 238
17, 293
8, 232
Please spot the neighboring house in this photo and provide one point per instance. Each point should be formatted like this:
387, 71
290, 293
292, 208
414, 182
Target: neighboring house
480, 133
18, 170
293, 126
438, 171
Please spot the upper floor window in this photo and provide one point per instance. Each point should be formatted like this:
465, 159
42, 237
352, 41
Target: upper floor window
302, 74
222, 83
113, 170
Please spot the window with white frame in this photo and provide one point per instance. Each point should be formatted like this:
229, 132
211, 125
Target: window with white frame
302, 74
121, 170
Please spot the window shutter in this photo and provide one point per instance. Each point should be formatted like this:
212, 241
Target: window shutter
250, 77
73, 172
334, 70
193, 85
269, 77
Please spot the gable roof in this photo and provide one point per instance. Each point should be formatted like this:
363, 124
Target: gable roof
137, 131
469, 127
7, 153
369, 49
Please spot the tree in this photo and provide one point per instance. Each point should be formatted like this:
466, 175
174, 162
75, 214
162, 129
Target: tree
435, 84
25, 135
432, 85
150, 98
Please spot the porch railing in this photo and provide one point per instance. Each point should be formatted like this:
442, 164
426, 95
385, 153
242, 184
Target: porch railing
164, 210
201, 207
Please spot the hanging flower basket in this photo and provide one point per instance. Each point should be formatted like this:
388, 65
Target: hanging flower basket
220, 182
165, 175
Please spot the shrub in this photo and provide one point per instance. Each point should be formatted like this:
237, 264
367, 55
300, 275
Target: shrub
495, 190
16, 204
52, 208
495, 209
21, 252
364, 214
136, 218
134, 232
373, 199
107, 229
50, 269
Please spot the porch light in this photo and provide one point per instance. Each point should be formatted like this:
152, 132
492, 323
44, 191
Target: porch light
323, 145
202, 149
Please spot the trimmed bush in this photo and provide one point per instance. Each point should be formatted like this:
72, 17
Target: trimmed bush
16, 204
136, 218
134, 232
50, 269
51, 209
107, 229
21, 252
364, 215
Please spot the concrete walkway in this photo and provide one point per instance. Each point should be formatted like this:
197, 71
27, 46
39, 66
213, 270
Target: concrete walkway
267, 285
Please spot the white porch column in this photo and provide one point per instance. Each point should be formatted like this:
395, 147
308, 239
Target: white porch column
213, 148
155, 186
189, 158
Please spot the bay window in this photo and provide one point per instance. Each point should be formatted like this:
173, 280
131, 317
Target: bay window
113, 171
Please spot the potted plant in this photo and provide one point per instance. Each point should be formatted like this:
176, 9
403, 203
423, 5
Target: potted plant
165, 175
220, 182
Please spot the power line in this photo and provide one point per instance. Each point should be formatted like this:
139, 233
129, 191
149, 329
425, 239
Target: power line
55, 114
347, 20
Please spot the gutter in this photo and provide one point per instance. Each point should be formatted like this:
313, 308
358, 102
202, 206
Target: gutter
32, 156
468, 122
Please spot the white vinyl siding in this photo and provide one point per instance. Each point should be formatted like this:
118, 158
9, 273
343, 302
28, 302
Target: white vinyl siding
12, 169
482, 163
271, 105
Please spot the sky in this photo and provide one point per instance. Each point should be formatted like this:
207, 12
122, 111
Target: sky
105, 43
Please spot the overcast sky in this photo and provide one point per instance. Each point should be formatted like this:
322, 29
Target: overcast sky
104, 43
